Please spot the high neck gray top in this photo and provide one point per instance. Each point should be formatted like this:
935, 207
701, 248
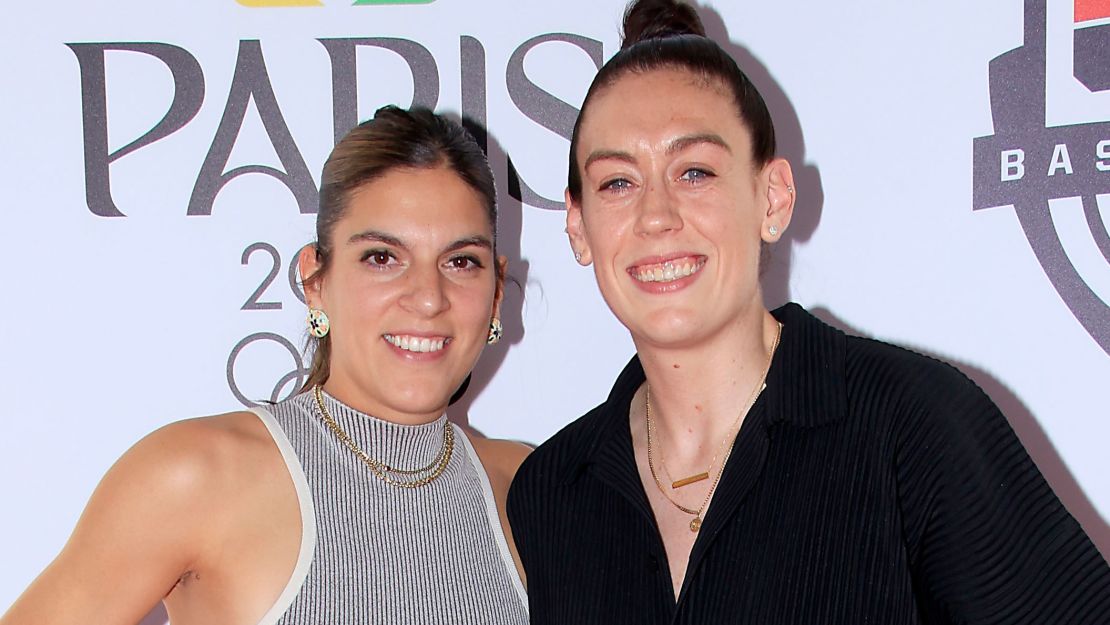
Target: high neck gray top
376, 553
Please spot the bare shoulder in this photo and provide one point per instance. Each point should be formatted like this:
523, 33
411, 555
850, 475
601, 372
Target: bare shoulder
178, 496
199, 452
190, 463
501, 458
212, 468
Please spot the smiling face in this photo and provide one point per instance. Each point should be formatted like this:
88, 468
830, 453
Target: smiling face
673, 209
410, 289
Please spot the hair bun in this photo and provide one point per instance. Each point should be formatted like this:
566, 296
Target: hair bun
656, 19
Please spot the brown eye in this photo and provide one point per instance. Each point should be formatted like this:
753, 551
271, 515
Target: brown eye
378, 258
464, 262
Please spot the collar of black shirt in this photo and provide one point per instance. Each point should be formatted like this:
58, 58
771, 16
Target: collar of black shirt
805, 385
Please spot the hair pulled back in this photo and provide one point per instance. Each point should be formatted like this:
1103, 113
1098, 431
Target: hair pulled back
668, 34
393, 139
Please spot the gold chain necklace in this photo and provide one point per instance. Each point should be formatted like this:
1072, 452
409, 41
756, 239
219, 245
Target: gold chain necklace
382, 470
695, 478
730, 437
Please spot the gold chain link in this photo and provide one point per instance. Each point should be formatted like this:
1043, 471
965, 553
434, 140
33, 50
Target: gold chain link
730, 437
382, 470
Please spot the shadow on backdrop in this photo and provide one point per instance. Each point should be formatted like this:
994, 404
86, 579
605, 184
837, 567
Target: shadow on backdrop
1031, 434
807, 214
776, 271
510, 220
791, 146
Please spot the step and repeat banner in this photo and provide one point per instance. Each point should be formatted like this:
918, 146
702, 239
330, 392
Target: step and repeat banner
161, 165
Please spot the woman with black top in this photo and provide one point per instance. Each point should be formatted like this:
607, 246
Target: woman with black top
753, 466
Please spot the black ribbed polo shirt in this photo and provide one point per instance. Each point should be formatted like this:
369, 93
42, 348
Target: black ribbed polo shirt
868, 484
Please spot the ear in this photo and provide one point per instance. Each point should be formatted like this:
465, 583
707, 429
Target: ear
309, 262
576, 231
499, 293
781, 195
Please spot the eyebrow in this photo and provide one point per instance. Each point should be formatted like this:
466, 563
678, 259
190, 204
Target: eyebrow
687, 141
601, 155
388, 239
375, 235
678, 145
476, 240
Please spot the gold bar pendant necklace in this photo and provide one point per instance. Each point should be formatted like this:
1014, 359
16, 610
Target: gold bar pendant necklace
693, 479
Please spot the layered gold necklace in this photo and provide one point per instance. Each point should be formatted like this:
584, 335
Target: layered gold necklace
402, 478
726, 447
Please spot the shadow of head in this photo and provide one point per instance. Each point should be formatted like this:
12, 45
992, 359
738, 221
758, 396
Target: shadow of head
791, 145
509, 225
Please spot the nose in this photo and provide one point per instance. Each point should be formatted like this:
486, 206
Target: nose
425, 294
658, 211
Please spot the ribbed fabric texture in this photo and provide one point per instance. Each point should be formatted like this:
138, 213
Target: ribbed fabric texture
384, 554
868, 484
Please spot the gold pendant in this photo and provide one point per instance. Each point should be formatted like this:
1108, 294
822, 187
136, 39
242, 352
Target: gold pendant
693, 479
695, 525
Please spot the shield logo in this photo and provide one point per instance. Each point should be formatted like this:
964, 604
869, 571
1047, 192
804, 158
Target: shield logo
1027, 163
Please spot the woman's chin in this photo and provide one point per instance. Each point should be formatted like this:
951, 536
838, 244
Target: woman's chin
420, 401
668, 328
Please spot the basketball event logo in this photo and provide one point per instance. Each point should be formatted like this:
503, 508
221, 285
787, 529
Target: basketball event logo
1026, 163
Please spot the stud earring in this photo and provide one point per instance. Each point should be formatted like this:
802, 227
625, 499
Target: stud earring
789, 189
578, 256
772, 230
318, 323
495, 331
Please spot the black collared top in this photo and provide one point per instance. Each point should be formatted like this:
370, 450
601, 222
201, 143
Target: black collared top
868, 484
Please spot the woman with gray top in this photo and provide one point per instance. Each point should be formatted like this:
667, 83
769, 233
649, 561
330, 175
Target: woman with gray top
354, 501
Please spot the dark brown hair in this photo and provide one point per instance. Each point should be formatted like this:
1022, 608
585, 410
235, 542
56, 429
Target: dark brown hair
668, 34
393, 139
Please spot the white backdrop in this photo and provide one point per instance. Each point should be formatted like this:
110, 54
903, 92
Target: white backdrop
115, 325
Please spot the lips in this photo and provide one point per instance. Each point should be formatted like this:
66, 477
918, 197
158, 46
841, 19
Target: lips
417, 344
665, 270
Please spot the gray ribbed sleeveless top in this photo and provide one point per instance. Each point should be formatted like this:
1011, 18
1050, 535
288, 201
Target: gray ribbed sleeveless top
375, 553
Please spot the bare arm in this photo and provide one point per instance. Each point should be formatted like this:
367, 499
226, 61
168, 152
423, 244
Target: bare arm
135, 539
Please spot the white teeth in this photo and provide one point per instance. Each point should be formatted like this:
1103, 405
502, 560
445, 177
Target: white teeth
420, 345
668, 272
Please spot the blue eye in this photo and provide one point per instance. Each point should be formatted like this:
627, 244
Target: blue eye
695, 175
616, 184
